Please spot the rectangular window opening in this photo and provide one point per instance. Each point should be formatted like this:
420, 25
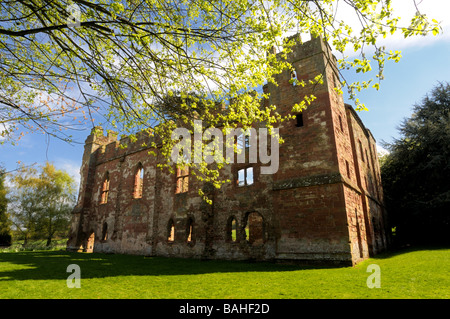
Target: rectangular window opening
182, 183
348, 168
245, 177
138, 183
105, 191
361, 151
299, 119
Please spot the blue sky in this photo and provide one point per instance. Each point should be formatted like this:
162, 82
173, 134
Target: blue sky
406, 83
425, 61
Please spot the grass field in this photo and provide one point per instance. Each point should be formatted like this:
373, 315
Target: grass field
43, 274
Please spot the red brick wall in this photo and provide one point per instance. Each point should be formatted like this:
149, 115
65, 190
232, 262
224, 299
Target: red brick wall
309, 209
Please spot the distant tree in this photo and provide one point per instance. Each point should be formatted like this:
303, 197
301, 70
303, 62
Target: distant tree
416, 173
23, 202
42, 202
382, 158
5, 223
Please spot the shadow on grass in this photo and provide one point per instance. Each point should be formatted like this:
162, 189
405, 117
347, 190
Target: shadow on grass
408, 249
48, 265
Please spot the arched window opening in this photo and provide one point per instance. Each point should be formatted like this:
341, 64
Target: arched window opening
231, 230
171, 231
105, 190
138, 182
254, 229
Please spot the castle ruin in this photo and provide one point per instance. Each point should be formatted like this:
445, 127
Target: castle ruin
324, 204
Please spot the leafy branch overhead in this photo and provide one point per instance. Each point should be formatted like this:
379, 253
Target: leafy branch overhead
65, 64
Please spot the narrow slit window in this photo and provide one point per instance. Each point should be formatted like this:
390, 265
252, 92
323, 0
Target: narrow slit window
105, 231
171, 232
299, 120
361, 151
105, 190
138, 182
189, 230
347, 166
367, 158
233, 230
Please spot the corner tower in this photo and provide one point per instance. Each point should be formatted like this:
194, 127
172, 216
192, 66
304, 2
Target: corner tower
94, 143
320, 194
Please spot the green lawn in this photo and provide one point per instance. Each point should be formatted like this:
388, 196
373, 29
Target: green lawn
42, 274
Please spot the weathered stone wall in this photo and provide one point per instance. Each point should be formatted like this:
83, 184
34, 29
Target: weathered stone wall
316, 207
368, 180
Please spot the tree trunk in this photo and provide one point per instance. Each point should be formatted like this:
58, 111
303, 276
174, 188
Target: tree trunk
50, 232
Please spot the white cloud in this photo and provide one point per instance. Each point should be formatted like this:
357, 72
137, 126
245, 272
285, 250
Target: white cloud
381, 150
433, 9
437, 10
8, 182
71, 167
3, 127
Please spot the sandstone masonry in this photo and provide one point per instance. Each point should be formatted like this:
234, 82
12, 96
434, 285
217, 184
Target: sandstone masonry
325, 203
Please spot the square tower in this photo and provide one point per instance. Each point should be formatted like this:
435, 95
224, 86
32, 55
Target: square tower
327, 192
